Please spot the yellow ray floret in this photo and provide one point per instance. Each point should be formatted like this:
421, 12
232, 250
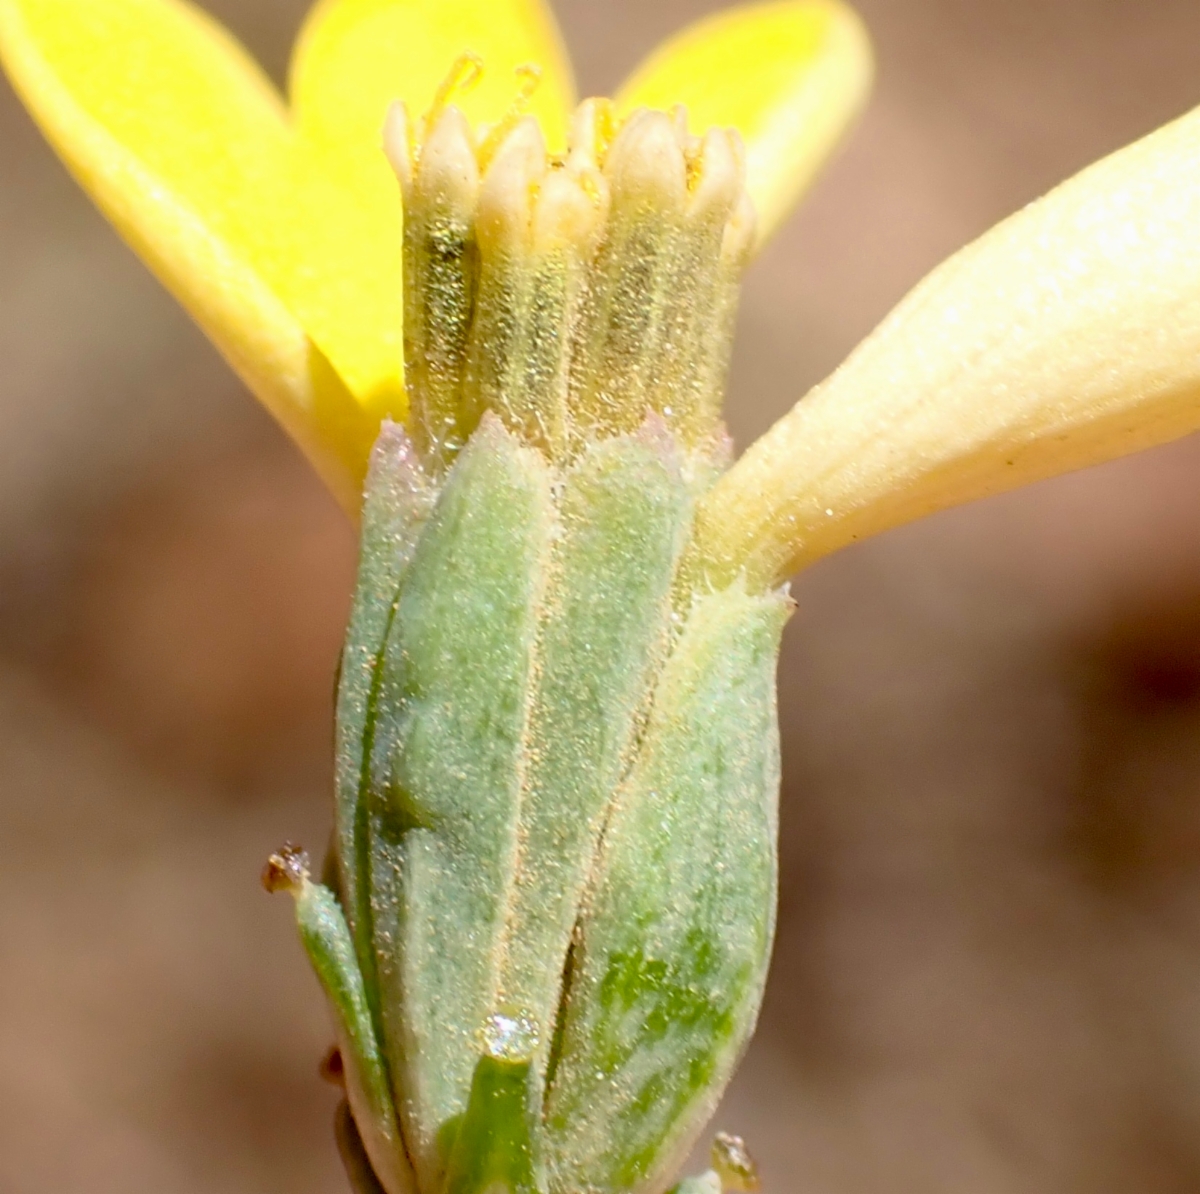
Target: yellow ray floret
1067, 335
188, 150
789, 76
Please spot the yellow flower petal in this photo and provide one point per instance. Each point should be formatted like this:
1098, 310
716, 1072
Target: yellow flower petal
788, 76
186, 147
354, 57
1067, 335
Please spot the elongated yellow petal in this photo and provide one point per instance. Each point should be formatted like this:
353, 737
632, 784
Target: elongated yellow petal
1067, 335
354, 57
186, 147
788, 76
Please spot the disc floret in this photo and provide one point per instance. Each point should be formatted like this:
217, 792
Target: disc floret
570, 292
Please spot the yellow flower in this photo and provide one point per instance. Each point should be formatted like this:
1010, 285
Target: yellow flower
278, 225
1067, 335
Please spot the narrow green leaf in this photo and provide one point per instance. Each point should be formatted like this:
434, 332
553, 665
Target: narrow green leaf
327, 941
496, 1146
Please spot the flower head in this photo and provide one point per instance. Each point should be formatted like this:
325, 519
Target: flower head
1065, 336
278, 222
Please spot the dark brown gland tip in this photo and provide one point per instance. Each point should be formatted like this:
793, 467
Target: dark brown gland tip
734, 1164
286, 870
333, 1069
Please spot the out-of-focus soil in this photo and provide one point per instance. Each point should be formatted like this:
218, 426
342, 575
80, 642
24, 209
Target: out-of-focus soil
988, 967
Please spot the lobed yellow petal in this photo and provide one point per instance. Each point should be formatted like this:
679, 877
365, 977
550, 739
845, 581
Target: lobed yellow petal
1067, 335
187, 148
355, 57
789, 76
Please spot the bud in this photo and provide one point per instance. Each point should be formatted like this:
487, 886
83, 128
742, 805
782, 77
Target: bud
546, 918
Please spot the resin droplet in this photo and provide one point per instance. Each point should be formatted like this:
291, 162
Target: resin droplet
510, 1037
733, 1162
286, 870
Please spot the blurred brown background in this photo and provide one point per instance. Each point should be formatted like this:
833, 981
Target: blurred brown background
988, 971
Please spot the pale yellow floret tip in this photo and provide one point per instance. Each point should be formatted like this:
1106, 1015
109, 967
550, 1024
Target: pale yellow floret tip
572, 292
